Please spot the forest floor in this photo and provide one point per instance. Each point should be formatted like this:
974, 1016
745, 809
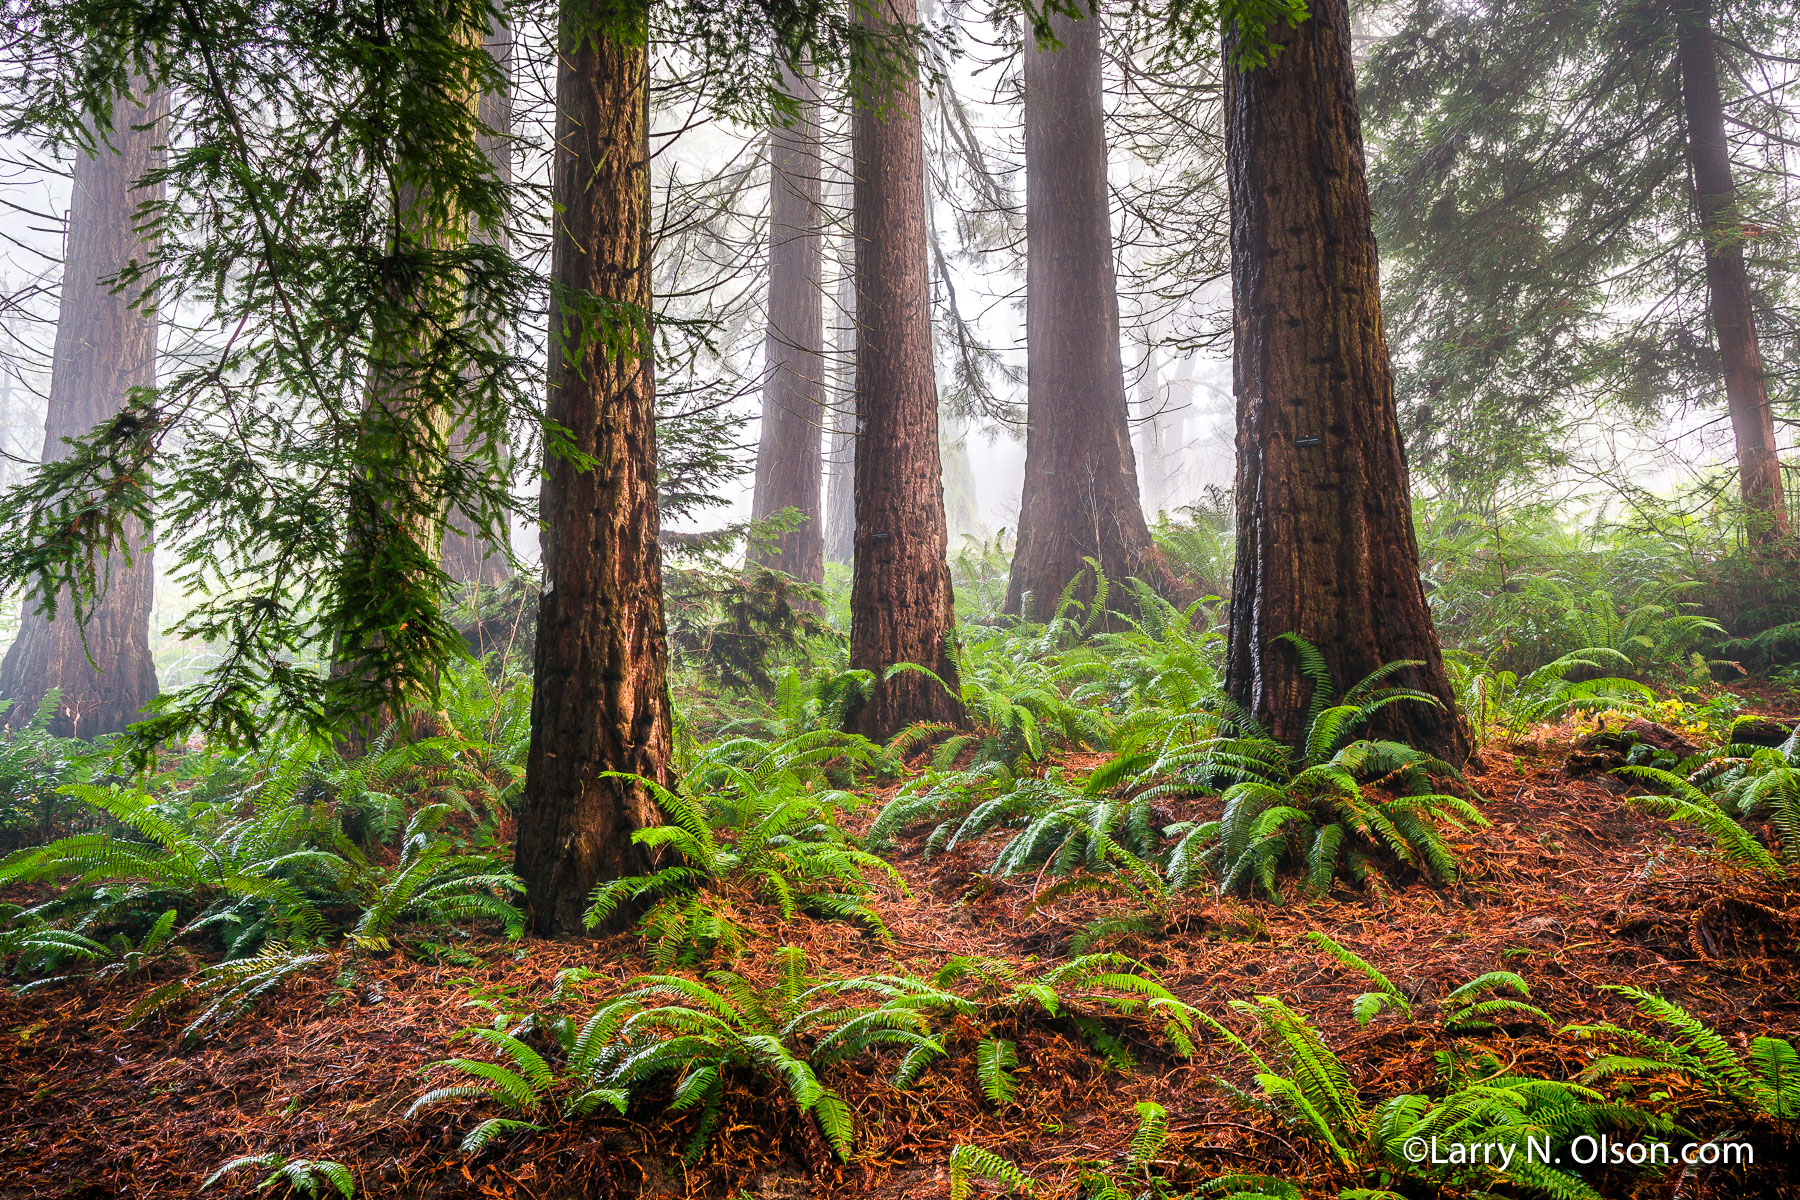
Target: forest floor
1568, 887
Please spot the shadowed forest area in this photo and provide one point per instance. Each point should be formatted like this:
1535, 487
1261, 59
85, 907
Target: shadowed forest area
795, 600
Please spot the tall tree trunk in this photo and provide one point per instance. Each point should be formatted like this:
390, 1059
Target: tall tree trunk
469, 557
902, 607
601, 698
789, 459
1152, 422
104, 348
840, 453
1081, 494
1325, 543
397, 509
1727, 284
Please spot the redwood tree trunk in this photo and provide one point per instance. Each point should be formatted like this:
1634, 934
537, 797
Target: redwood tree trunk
789, 460
1325, 544
1081, 493
104, 348
601, 698
468, 557
840, 456
901, 602
1727, 285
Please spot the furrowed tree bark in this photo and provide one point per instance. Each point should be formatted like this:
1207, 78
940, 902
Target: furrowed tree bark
104, 348
469, 557
789, 458
1727, 283
901, 602
1080, 498
1325, 543
601, 698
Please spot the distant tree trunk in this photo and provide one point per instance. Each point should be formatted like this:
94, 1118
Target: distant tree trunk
1727, 284
1081, 494
840, 454
397, 508
789, 459
1152, 420
1325, 544
601, 698
467, 556
901, 601
104, 348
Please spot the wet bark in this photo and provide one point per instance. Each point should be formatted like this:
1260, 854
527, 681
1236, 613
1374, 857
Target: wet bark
104, 348
467, 556
1727, 283
1080, 498
1325, 543
789, 458
901, 602
601, 699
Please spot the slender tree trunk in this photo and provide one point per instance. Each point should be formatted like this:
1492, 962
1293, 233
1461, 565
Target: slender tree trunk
469, 557
789, 460
104, 348
1325, 543
902, 607
601, 698
1727, 284
840, 455
1081, 495
1152, 433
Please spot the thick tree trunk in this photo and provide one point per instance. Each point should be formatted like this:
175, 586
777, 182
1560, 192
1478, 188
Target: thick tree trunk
469, 557
789, 459
601, 699
1081, 494
1727, 284
840, 453
901, 601
104, 348
1325, 543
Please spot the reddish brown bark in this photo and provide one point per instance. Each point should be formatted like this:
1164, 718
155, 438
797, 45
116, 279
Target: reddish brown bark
1325, 543
104, 348
1727, 284
1081, 494
601, 699
468, 557
902, 607
789, 458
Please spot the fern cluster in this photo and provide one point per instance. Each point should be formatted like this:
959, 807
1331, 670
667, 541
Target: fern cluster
756, 836
1760, 1084
1471, 1007
1493, 698
699, 1034
264, 856
1335, 803
1717, 790
1309, 1088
